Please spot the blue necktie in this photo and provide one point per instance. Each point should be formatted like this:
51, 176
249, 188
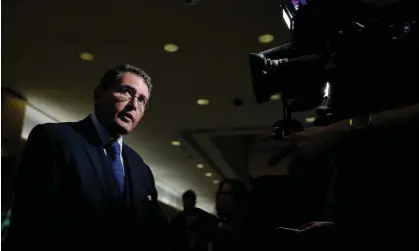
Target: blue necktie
113, 151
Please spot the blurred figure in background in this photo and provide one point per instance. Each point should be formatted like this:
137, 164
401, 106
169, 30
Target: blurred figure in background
5, 222
192, 229
231, 202
236, 228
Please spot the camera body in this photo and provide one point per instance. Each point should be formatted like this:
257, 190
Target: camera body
365, 53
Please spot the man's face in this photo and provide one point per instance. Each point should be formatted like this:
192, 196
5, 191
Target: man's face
123, 106
188, 203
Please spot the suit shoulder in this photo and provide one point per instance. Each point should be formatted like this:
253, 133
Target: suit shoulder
57, 134
139, 159
132, 152
54, 126
53, 130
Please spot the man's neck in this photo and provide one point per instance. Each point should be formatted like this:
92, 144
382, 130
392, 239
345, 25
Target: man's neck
189, 209
106, 126
103, 131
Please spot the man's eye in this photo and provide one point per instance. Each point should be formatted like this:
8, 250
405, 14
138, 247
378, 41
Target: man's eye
141, 99
126, 91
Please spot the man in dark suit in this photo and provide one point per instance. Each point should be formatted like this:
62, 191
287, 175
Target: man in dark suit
80, 187
192, 229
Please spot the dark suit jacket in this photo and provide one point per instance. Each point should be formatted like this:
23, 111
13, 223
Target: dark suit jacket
66, 198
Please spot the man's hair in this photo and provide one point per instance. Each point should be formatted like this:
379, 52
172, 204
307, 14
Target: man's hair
111, 78
189, 195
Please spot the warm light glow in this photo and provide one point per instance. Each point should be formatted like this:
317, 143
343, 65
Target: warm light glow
85, 56
276, 96
171, 48
175, 143
310, 119
266, 38
216, 181
200, 166
208, 174
202, 101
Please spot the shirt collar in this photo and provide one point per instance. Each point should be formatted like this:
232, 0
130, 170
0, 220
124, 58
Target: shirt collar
104, 136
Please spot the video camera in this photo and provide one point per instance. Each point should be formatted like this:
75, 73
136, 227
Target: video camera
345, 58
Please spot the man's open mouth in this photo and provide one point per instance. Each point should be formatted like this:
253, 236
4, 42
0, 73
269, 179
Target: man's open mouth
126, 117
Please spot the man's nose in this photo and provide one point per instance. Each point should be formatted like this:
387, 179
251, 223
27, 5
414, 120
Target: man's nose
133, 104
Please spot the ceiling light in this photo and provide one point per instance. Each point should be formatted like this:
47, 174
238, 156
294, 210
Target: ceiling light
216, 181
202, 101
208, 174
200, 166
310, 119
175, 143
171, 48
266, 38
276, 96
85, 56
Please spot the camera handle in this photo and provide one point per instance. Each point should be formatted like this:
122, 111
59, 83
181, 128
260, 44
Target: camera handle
287, 117
287, 126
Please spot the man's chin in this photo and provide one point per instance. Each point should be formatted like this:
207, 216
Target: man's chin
123, 127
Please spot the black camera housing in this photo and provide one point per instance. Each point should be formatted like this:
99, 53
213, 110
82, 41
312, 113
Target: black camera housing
367, 52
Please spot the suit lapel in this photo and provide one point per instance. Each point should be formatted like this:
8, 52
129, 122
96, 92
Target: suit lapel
99, 163
134, 176
94, 150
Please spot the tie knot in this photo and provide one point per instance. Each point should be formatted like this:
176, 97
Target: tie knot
113, 148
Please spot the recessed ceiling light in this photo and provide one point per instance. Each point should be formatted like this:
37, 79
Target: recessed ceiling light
175, 143
266, 38
85, 56
276, 96
216, 181
202, 101
310, 119
171, 48
208, 174
200, 166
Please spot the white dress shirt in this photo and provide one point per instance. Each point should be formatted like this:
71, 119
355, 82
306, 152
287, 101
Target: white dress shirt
105, 137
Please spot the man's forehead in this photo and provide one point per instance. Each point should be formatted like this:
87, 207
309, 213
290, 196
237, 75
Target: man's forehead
135, 82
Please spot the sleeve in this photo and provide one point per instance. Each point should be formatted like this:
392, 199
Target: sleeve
35, 187
160, 222
153, 192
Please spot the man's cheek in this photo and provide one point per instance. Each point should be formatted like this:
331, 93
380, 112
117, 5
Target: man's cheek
139, 118
119, 108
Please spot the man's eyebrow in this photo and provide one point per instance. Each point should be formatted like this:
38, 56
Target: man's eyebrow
135, 91
128, 87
